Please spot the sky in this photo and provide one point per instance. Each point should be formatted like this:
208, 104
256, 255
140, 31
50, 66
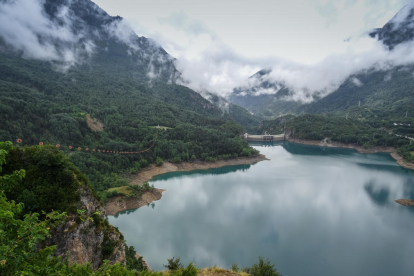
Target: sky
219, 44
312, 46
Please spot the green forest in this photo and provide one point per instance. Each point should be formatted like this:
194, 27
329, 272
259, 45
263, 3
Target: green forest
368, 131
39, 104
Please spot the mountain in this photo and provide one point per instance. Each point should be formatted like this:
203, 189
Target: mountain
398, 30
82, 78
263, 98
389, 89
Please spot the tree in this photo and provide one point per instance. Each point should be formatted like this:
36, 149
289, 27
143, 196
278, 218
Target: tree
174, 264
19, 238
264, 268
159, 161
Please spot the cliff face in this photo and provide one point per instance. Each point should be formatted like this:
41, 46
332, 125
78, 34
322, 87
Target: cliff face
88, 237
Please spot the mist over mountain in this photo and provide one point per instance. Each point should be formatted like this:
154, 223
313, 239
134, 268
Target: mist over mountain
75, 32
347, 78
400, 29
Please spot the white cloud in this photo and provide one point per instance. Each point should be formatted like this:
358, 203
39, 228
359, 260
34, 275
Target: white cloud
301, 40
121, 30
23, 25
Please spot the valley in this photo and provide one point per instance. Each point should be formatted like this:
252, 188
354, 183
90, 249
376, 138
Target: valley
121, 142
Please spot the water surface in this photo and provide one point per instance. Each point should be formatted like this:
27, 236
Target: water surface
310, 210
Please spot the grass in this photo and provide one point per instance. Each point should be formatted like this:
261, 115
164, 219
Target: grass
122, 189
412, 153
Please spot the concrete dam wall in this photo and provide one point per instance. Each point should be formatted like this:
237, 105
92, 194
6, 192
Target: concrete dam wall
264, 138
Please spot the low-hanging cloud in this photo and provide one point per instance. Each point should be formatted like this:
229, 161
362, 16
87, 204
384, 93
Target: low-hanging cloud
219, 69
208, 64
321, 79
25, 26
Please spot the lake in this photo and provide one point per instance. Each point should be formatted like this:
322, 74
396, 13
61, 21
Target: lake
310, 210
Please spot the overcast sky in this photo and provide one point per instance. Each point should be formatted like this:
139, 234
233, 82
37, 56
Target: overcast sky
302, 30
220, 43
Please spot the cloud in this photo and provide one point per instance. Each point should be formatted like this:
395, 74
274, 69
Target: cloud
207, 63
357, 82
219, 69
121, 30
25, 26
321, 79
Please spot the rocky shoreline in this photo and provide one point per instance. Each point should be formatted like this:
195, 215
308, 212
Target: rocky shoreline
118, 204
405, 202
360, 149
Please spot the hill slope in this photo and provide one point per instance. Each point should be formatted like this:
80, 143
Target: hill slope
124, 83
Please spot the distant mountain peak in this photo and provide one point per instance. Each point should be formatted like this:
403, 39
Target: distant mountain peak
399, 29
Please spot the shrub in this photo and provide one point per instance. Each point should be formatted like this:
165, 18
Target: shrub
159, 161
176, 159
174, 264
264, 268
143, 163
235, 268
190, 270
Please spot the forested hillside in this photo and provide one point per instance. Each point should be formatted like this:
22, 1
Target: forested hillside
345, 130
123, 89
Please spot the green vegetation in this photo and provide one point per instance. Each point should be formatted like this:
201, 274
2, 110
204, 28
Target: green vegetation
132, 262
338, 129
40, 104
159, 161
47, 175
235, 268
129, 191
125, 190
264, 268
174, 264
407, 152
21, 230
50, 175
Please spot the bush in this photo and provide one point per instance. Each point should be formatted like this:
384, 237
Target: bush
190, 270
176, 159
174, 264
159, 161
264, 268
132, 262
235, 268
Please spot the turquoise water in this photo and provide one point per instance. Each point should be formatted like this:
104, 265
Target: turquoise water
310, 210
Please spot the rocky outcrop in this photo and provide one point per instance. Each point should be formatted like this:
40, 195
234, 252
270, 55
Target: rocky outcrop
121, 203
405, 202
88, 237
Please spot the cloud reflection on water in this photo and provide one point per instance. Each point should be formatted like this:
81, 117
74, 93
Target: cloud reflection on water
326, 213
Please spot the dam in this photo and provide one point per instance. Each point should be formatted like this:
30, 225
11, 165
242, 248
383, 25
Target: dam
264, 138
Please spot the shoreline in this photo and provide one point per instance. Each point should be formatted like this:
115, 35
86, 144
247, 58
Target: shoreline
117, 204
391, 150
148, 174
